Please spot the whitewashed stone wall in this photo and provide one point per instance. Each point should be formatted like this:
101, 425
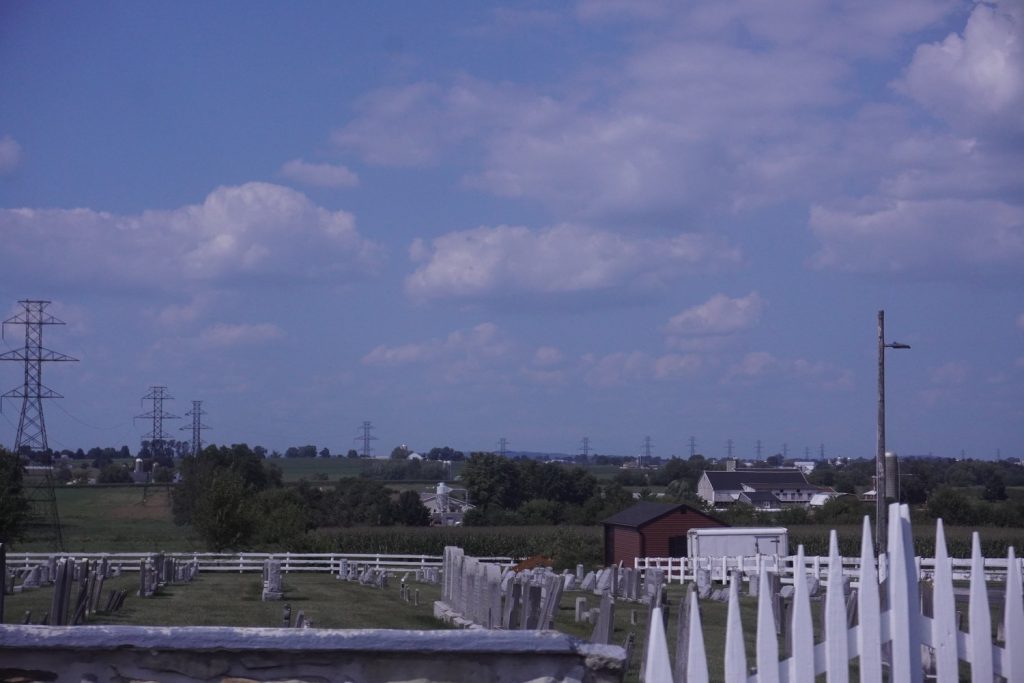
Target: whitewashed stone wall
193, 654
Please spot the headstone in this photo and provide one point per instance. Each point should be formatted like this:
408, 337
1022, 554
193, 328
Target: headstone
33, 579
272, 582
589, 582
532, 603
604, 581
512, 613
605, 626
703, 583
579, 573
581, 609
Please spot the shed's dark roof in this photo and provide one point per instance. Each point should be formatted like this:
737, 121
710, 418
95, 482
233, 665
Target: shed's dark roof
643, 513
735, 480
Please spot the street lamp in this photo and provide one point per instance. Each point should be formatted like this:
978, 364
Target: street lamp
881, 499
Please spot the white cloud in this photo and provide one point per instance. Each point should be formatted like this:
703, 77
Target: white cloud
953, 373
759, 365
10, 154
457, 357
546, 356
974, 80
257, 232
624, 367
720, 315
319, 175
227, 334
565, 260
938, 237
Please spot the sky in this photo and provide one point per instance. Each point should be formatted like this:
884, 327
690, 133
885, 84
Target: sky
537, 221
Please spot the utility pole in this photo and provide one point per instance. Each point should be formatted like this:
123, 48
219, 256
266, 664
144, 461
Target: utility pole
31, 436
197, 426
586, 447
881, 495
693, 446
157, 436
366, 438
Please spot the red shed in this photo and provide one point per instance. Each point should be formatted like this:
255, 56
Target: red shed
651, 530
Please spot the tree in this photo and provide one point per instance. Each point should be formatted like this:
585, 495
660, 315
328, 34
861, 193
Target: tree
994, 487
113, 473
951, 506
352, 453
325, 452
492, 480
411, 511
400, 452
14, 506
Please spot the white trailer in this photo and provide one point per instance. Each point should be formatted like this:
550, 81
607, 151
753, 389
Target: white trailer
733, 541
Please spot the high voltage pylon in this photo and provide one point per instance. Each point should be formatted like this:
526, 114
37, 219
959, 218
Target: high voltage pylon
647, 451
693, 446
157, 436
197, 426
366, 437
31, 436
585, 446
503, 447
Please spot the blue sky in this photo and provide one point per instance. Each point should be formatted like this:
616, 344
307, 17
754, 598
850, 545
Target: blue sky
539, 221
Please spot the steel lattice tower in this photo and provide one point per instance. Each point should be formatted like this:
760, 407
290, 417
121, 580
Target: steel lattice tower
366, 438
157, 437
31, 435
197, 426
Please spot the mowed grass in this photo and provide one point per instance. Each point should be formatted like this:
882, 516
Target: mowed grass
117, 518
235, 600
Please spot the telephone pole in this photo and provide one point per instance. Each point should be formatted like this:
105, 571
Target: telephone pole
366, 437
31, 436
158, 438
197, 426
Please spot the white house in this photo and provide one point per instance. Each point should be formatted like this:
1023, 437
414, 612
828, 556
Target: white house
786, 486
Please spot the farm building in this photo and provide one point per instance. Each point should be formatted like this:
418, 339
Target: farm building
786, 486
651, 530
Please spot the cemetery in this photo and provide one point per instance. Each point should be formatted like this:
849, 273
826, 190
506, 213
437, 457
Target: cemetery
458, 617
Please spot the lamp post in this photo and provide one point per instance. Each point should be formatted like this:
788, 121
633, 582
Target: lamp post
881, 498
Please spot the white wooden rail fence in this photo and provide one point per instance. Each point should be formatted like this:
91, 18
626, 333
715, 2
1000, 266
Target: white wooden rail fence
253, 562
900, 635
684, 569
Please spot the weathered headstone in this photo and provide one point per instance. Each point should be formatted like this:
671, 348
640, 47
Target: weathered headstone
589, 582
605, 626
581, 609
703, 583
272, 582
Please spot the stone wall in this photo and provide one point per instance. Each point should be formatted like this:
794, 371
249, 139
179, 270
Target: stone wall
195, 653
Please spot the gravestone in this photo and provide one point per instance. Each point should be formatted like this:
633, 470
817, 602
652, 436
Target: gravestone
579, 573
581, 609
589, 582
703, 583
272, 582
605, 626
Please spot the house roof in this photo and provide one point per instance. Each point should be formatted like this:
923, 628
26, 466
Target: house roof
780, 478
645, 512
756, 497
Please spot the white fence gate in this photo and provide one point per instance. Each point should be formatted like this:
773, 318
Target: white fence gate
901, 631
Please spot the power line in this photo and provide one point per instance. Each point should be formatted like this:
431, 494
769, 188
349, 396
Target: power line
366, 437
31, 435
197, 426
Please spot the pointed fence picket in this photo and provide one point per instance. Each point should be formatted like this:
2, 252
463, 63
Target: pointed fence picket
892, 639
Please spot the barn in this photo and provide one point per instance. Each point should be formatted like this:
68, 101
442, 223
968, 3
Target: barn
651, 530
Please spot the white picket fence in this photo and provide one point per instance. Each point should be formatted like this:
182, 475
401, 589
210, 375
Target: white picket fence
901, 635
684, 569
253, 562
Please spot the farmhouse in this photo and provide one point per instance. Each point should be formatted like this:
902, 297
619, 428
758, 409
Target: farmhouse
651, 530
765, 488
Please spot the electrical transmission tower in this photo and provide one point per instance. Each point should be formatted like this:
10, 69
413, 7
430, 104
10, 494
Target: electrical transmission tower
31, 435
197, 426
366, 437
693, 446
503, 447
158, 438
728, 447
647, 451
586, 447
757, 447
785, 450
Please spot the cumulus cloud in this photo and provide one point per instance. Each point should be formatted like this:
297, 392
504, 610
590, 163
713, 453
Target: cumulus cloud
10, 154
718, 316
624, 367
227, 334
257, 232
759, 365
938, 237
319, 175
975, 80
566, 260
456, 356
